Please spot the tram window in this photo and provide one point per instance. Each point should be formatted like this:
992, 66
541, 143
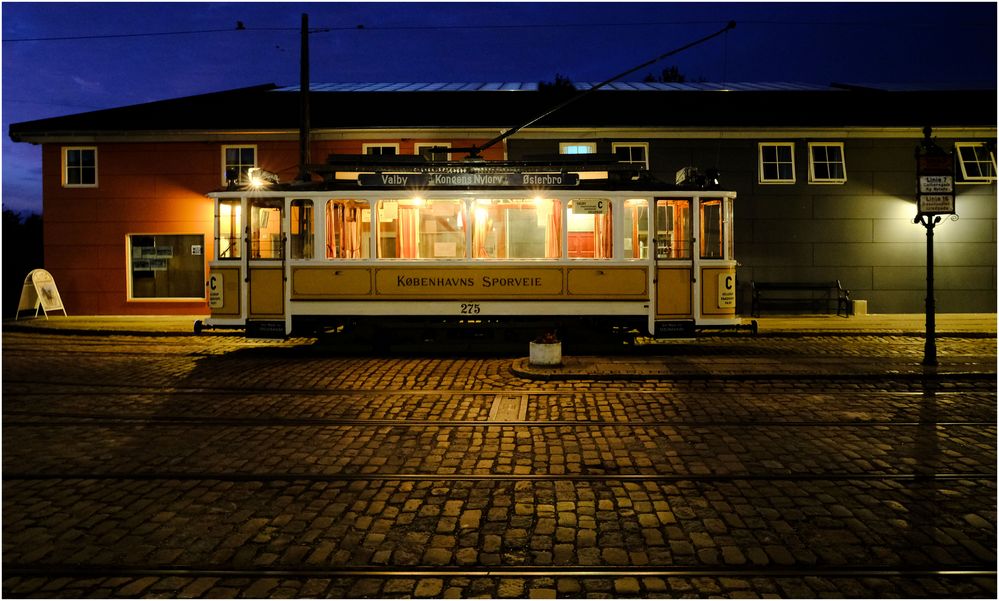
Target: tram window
636, 228
516, 228
711, 229
301, 237
265, 229
230, 218
673, 229
590, 229
348, 229
415, 228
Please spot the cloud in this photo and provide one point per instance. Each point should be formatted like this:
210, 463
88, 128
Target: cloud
87, 86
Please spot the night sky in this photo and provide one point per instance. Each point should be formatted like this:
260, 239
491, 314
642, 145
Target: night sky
106, 55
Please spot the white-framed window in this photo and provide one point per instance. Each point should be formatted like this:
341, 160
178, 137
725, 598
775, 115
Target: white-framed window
977, 161
419, 147
577, 147
79, 166
236, 161
826, 163
166, 267
636, 153
777, 163
380, 149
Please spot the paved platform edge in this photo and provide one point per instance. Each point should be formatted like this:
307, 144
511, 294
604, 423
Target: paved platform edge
582, 369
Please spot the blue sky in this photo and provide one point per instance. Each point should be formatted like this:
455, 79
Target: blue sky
112, 57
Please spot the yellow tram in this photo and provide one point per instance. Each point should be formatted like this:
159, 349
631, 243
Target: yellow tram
503, 246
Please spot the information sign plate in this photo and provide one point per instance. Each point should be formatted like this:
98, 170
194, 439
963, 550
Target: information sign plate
726, 290
216, 298
936, 184
590, 206
674, 329
933, 204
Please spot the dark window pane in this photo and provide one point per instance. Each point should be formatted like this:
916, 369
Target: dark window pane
231, 156
88, 158
785, 172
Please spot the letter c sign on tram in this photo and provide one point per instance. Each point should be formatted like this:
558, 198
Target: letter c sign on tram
726, 290
215, 299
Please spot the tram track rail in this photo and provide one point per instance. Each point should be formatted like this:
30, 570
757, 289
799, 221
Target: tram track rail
76, 419
152, 389
576, 571
512, 477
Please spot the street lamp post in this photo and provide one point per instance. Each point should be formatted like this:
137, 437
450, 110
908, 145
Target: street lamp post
930, 348
934, 197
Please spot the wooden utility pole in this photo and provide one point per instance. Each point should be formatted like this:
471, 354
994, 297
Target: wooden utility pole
304, 125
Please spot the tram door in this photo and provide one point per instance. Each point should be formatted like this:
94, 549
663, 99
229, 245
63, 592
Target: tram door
675, 272
265, 254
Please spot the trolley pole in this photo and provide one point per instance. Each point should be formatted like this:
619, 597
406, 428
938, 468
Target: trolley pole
934, 197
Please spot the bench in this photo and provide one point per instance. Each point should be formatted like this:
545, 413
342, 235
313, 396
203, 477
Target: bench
813, 296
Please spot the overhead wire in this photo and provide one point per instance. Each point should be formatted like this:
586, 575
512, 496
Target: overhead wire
361, 27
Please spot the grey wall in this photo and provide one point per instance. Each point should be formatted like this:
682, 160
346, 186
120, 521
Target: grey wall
861, 232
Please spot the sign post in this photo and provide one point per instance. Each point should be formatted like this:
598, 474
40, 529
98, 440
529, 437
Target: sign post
934, 197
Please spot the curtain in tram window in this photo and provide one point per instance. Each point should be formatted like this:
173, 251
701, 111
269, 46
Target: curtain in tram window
483, 225
332, 219
409, 232
636, 248
352, 241
553, 231
603, 243
344, 239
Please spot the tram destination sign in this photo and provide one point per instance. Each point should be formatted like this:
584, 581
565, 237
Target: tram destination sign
447, 180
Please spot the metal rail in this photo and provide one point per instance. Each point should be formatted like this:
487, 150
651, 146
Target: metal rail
166, 389
78, 418
415, 477
58, 570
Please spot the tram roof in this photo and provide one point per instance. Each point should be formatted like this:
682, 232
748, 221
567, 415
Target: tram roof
268, 107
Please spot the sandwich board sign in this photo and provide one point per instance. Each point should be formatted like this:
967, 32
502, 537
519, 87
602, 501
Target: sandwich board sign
40, 293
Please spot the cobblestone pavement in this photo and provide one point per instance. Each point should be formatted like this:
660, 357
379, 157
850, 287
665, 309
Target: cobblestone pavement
179, 466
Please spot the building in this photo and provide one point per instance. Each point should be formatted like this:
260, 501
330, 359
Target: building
825, 175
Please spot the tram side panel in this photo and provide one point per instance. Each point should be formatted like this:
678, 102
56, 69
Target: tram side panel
522, 292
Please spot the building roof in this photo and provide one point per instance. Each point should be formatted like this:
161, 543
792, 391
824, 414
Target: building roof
620, 86
508, 104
